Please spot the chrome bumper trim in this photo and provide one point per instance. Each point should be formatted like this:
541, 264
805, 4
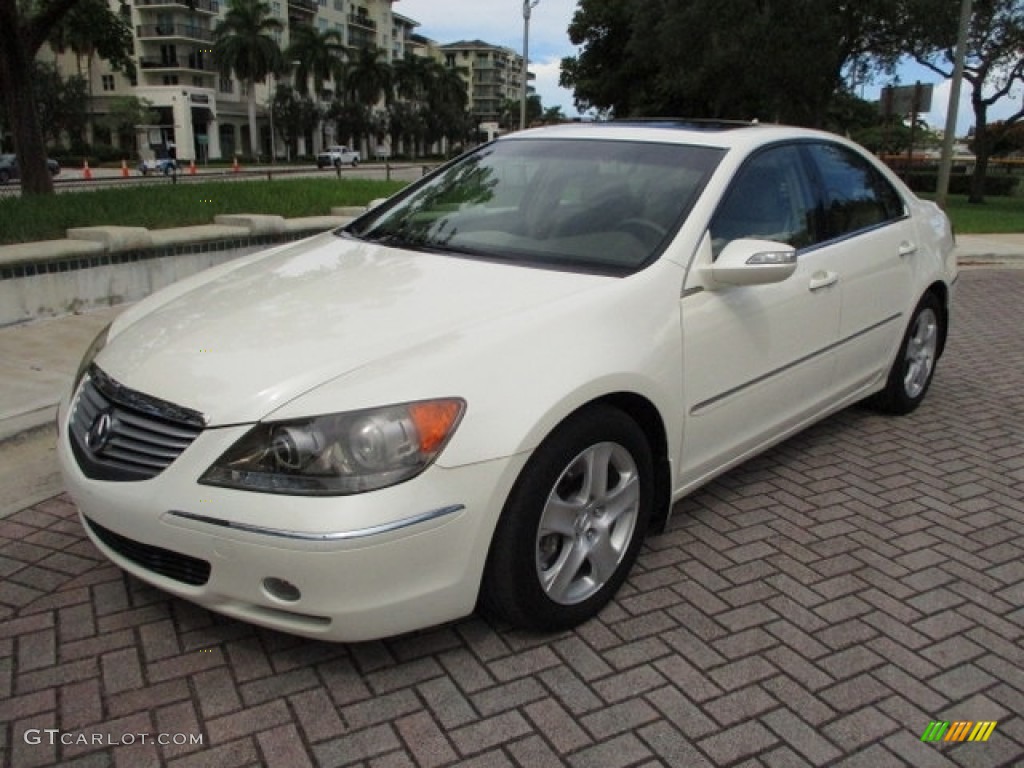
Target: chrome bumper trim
375, 530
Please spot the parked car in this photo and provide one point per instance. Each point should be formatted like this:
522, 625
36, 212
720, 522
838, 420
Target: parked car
164, 165
337, 156
9, 168
486, 390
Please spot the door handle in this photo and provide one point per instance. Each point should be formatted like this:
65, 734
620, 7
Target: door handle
821, 280
907, 248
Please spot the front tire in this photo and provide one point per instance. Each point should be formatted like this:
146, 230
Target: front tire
911, 374
573, 524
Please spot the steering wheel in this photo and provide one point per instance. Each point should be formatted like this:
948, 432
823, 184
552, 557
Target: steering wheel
645, 230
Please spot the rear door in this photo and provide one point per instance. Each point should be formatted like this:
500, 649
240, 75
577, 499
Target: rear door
872, 239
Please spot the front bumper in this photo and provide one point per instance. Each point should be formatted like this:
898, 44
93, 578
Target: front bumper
348, 568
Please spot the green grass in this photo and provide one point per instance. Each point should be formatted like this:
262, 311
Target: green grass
174, 205
29, 219
996, 215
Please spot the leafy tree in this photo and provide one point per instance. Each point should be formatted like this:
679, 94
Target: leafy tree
294, 115
994, 67
244, 45
89, 30
509, 116
552, 115
125, 114
1006, 139
26, 27
61, 104
780, 60
351, 119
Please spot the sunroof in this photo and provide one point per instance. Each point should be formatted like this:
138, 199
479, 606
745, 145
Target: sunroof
685, 123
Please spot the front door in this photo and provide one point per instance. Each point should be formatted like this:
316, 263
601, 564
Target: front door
758, 361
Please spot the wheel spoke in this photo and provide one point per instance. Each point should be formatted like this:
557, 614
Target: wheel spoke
623, 499
559, 517
595, 479
603, 557
558, 580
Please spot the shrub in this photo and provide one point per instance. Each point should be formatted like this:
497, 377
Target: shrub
998, 185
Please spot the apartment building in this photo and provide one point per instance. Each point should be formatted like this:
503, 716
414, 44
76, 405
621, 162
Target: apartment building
202, 115
493, 76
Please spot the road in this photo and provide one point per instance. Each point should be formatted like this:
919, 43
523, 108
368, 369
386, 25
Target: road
73, 179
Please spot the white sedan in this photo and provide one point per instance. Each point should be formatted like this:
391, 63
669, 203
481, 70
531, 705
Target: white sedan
484, 392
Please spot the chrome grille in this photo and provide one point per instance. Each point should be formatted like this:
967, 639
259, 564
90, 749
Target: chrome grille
122, 435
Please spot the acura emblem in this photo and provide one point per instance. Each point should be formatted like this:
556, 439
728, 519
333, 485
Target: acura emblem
99, 433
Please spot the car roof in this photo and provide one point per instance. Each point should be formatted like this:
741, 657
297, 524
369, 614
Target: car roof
722, 134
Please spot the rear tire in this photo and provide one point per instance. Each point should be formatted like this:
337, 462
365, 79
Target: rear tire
911, 374
573, 524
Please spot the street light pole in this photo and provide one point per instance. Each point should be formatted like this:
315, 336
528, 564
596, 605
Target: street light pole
946, 159
528, 5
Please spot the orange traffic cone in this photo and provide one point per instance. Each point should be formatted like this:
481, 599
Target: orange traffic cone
86, 173
124, 168
191, 167
235, 166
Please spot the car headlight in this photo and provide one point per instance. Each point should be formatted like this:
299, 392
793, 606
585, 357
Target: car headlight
341, 453
90, 354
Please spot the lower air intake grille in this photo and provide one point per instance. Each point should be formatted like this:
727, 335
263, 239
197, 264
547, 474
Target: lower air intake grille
173, 565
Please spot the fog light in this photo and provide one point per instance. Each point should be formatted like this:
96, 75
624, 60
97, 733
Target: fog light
281, 590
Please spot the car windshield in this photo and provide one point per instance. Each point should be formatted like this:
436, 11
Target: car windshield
594, 205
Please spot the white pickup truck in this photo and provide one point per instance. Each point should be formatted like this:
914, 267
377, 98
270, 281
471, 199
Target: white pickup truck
336, 156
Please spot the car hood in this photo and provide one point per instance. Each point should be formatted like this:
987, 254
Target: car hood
241, 343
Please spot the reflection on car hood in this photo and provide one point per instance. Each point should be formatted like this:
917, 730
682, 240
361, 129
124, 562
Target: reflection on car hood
248, 340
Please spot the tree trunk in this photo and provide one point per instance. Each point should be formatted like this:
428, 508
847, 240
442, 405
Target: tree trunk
253, 134
15, 79
981, 153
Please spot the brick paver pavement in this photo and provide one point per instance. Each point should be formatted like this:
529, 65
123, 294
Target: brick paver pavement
818, 606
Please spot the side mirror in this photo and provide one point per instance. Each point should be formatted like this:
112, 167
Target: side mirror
753, 262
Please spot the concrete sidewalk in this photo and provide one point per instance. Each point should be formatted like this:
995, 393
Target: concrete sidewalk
38, 359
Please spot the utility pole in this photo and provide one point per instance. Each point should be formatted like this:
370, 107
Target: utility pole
946, 160
528, 5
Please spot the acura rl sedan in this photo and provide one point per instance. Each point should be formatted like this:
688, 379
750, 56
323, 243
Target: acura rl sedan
484, 392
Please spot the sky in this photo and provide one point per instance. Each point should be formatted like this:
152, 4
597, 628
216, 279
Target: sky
500, 22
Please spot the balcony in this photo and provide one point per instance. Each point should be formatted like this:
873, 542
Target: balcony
365, 22
180, 31
190, 64
201, 6
305, 6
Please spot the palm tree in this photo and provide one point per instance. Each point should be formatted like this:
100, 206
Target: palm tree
244, 45
319, 56
370, 76
413, 78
